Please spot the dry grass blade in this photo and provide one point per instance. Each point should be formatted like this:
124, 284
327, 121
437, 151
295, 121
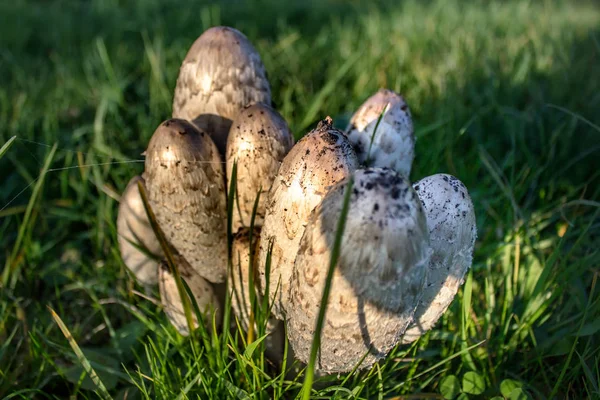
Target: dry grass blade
80, 356
185, 301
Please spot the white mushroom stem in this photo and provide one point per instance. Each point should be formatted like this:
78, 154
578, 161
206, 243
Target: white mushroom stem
138, 244
452, 231
240, 291
377, 281
319, 160
258, 141
221, 73
392, 144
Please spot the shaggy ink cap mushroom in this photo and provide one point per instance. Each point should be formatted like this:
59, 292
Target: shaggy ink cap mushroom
135, 235
318, 161
393, 145
186, 189
203, 292
221, 73
452, 231
258, 140
239, 290
377, 281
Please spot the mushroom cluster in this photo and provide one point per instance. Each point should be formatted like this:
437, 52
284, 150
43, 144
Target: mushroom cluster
404, 251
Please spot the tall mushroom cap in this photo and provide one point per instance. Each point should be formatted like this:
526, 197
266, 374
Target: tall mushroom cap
377, 281
186, 189
135, 233
221, 73
258, 140
239, 290
205, 297
319, 160
393, 145
452, 231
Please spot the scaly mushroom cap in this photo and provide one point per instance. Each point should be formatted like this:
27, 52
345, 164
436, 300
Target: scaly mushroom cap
452, 231
239, 290
394, 142
319, 160
186, 189
259, 139
379, 277
133, 229
207, 301
221, 73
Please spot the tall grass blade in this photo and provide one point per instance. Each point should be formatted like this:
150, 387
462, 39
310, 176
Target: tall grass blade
335, 253
80, 356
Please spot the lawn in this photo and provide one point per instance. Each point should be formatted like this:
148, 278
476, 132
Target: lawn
504, 95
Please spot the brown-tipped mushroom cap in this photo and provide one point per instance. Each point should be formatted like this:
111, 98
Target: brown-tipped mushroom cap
239, 290
452, 231
133, 229
378, 279
319, 160
393, 145
186, 189
221, 73
258, 140
203, 292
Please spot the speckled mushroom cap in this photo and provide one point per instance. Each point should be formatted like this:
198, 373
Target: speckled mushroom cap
133, 229
221, 73
259, 139
319, 160
186, 189
207, 301
394, 142
452, 231
378, 279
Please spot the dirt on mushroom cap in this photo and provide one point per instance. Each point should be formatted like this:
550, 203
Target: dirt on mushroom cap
221, 73
319, 160
134, 230
258, 140
378, 279
453, 231
393, 145
186, 189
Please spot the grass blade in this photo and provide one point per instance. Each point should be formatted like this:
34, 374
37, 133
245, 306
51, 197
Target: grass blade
80, 356
335, 253
6, 146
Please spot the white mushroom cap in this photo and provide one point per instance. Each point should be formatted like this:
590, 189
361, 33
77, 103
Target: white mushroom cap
203, 292
319, 160
133, 229
239, 290
452, 231
186, 189
221, 73
379, 277
394, 142
259, 139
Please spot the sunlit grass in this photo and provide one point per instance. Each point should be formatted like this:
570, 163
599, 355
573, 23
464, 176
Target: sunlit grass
504, 96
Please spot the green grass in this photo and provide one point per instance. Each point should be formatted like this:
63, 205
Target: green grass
505, 96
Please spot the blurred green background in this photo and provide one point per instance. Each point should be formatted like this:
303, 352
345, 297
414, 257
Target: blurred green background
504, 95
